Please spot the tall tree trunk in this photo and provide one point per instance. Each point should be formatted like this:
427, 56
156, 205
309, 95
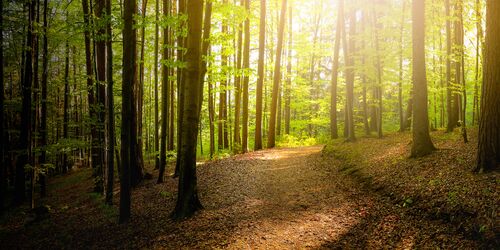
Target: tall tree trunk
271, 136
25, 136
139, 101
155, 69
378, 65
211, 115
488, 155
237, 87
43, 112
164, 94
66, 106
349, 123
100, 51
422, 144
452, 119
288, 86
246, 79
110, 107
335, 72
180, 87
129, 68
2, 143
90, 84
400, 83
187, 198
479, 43
260, 79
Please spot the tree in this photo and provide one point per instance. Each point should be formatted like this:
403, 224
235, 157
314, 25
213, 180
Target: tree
187, 196
288, 71
349, 58
2, 177
422, 144
110, 107
246, 79
24, 158
128, 64
335, 72
43, 112
164, 94
260, 79
271, 135
488, 156
155, 69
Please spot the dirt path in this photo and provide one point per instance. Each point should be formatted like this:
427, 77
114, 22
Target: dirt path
272, 199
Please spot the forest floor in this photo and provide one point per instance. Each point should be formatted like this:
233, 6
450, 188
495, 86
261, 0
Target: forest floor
362, 195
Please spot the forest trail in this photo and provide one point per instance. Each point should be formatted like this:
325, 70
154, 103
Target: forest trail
271, 199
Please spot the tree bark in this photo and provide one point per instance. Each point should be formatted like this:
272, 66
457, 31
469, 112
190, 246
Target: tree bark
246, 79
129, 68
110, 107
488, 156
24, 157
165, 94
422, 144
271, 135
187, 199
335, 72
260, 80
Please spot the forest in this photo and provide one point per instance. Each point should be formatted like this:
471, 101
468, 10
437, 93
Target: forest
267, 124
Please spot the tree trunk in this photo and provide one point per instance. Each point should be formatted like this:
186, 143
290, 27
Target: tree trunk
165, 94
246, 79
288, 86
451, 105
271, 136
24, 157
129, 68
488, 156
237, 87
110, 143
260, 80
349, 123
335, 72
2, 143
66, 106
400, 83
422, 144
155, 72
187, 198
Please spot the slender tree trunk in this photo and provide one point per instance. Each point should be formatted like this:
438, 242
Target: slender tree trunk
379, 87
180, 87
237, 87
90, 83
288, 86
260, 80
24, 157
155, 70
129, 68
211, 115
165, 94
66, 106
2, 143
349, 123
422, 144
271, 136
488, 155
400, 84
110, 142
43, 118
449, 94
335, 72
187, 199
479, 43
246, 79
